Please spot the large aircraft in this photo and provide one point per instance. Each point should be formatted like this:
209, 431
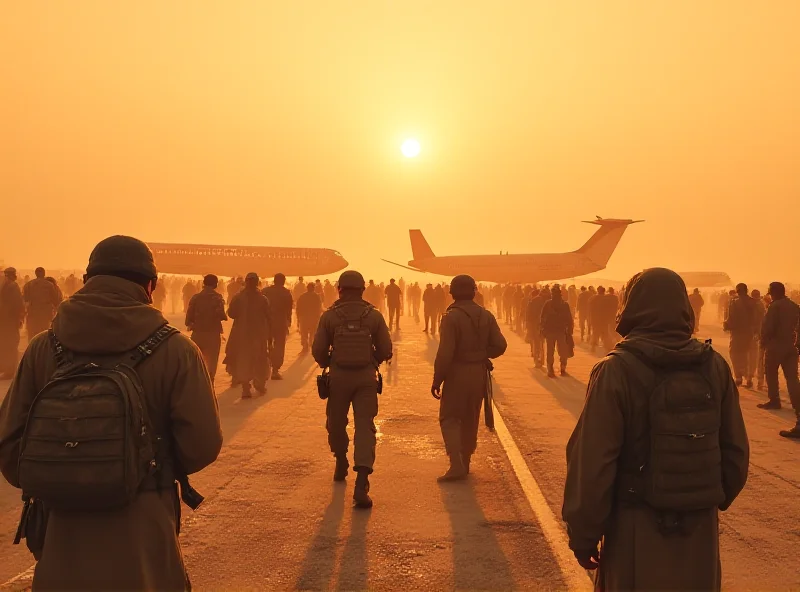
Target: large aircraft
238, 261
522, 269
706, 279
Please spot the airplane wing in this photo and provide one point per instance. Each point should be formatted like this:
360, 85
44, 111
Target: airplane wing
403, 266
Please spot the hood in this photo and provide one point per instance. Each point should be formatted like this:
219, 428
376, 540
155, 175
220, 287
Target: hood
657, 320
108, 315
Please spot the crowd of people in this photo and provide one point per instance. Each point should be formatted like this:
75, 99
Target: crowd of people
647, 329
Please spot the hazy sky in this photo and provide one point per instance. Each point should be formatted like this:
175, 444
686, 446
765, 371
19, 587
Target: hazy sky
279, 123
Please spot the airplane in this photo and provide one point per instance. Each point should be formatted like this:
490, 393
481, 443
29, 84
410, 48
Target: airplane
231, 261
523, 269
706, 279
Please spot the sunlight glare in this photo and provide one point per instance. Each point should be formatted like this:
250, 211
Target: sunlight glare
410, 148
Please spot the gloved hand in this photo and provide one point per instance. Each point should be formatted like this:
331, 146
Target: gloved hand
588, 558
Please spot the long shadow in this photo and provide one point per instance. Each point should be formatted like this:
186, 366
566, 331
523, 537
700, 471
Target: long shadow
354, 564
567, 390
478, 561
234, 410
320, 559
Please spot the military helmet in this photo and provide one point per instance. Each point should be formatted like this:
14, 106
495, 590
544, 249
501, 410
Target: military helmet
351, 279
122, 254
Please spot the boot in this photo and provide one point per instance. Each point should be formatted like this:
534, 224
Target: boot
361, 494
457, 471
276, 375
794, 433
246, 394
261, 389
551, 373
771, 404
749, 383
340, 474
466, 458
564, 371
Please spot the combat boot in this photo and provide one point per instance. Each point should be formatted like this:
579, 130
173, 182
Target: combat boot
564, 371
771, 404
794, 433
361, 493
246, 394
551, 373
457, 471
276, 375
340, 473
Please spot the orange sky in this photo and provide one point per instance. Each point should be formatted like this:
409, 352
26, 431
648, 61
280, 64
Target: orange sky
279, 123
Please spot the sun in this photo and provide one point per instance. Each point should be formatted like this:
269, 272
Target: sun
410, 148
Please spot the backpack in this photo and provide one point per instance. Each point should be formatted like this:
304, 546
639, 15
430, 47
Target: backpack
352, 340
677, 466
88, 443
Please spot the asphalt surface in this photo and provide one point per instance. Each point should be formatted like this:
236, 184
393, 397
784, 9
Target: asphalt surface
273, 518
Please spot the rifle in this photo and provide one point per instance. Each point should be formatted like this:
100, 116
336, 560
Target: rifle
488, 398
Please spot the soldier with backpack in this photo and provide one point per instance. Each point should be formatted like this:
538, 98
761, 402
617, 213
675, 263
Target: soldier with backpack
352, 340
659, 449
136, 414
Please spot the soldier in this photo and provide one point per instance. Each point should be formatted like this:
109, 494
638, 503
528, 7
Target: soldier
440, 301
204, 319
556, 324
309, 310
394, 299
652, 499
352, 340
534, 314
583, 310
247, 352
280, 303
12, 315
697, 302
722, 305
329, 294
755, 365
41, 298
741, 316
779, 338
134, 547
429, 309
469, 338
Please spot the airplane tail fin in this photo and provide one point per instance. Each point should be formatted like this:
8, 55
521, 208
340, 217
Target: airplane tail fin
420, 249
601, 244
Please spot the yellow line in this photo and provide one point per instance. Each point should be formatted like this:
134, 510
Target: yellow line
574, 575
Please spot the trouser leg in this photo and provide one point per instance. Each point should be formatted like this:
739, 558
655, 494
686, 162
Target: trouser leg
771, 364
209, 344
538, 349
365, 408
739, 347
561, 346
789, 367
551, 352
336, 411
752, 360
278, 348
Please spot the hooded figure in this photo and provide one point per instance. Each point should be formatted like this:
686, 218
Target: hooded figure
12, 313
247, 352
135, 547
656, 323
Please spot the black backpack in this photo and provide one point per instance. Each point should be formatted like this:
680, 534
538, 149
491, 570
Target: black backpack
677, 467
88, 442
352, 339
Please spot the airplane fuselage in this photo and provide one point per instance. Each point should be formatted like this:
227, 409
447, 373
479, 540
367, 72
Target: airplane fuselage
511, 269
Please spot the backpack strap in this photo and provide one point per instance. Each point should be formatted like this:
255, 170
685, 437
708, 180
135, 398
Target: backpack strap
59, 353
145, 349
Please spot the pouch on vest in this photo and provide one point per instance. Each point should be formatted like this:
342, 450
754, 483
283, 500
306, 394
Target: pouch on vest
88, 442
352, 340
678, 465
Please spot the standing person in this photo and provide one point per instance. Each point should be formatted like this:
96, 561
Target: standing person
779, 338
429, 309
41, 298
755, 357
440, 301
247, 352
402, 285
352, 340
583, 310
394, 300
722, 305
234, 287
469, 337
572, 299
309, 310
598, 311
653, 504
280, 304
329, 293
534, 314
70, 285
741, 316
189, 290
160, 293
556, 324
136, 546
204, 319
12, 315
697, 302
